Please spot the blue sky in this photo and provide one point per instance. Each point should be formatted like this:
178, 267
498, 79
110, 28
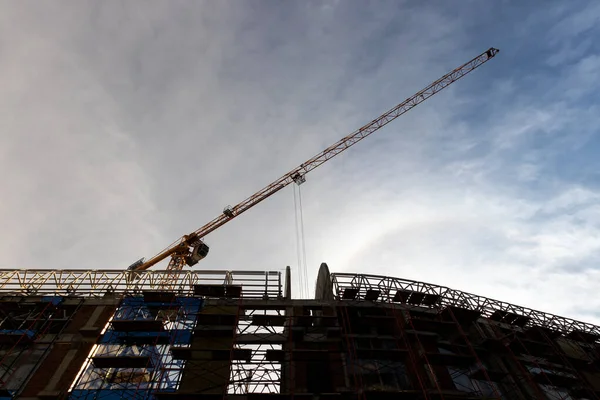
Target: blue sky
126, 125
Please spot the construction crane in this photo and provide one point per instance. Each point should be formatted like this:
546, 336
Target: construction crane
191, 248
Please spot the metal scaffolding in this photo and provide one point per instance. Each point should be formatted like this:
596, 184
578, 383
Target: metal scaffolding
29, 328
488, 348
233, 335
132, 358
421, 294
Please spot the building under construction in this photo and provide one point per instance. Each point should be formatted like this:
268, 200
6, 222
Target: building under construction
240, 335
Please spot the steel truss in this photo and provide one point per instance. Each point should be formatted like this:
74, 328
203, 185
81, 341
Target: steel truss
29, 327
230, 352
181, 247
97, 283
387, 288
256, 374
132, 358
246, 347
474, 376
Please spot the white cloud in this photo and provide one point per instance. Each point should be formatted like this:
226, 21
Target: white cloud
129, 126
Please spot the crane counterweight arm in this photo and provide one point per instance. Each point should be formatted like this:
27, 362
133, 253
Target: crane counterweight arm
327, 154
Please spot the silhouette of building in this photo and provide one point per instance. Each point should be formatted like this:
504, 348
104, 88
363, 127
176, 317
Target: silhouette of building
239, 335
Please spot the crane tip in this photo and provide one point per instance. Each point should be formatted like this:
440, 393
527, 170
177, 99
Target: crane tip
492, 51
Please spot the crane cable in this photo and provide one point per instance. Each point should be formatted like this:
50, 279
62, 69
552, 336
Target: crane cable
297, 234
300, 244
306, 293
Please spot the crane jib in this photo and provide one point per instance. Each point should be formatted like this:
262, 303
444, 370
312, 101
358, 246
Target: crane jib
296, 176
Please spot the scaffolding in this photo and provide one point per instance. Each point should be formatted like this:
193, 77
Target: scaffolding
161, 343
476, 347
236, 335
132, 358
24, 322
30, 335
244, 346
424, 294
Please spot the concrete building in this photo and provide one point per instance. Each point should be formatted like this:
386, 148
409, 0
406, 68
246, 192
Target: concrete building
239, 335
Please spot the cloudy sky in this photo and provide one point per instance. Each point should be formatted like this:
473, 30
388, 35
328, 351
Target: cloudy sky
127, 124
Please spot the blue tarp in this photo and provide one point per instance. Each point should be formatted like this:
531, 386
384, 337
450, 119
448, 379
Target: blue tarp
6, 394
134, 307
18, 332
56, 300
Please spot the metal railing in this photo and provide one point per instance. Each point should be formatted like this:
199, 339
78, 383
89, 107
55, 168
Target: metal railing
97, 283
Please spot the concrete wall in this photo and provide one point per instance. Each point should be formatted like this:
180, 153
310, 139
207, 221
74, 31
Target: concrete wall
208, 376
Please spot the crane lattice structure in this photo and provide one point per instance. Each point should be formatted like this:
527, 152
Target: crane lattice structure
190, 249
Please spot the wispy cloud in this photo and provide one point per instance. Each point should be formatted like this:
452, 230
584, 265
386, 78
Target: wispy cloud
125, 126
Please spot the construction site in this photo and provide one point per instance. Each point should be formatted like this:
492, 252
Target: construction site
174, 333
239, 335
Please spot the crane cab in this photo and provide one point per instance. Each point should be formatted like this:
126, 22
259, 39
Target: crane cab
198, 253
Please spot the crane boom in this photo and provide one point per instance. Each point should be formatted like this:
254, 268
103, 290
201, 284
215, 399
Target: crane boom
180, 250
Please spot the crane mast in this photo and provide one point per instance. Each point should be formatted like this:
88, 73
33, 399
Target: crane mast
189, 249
